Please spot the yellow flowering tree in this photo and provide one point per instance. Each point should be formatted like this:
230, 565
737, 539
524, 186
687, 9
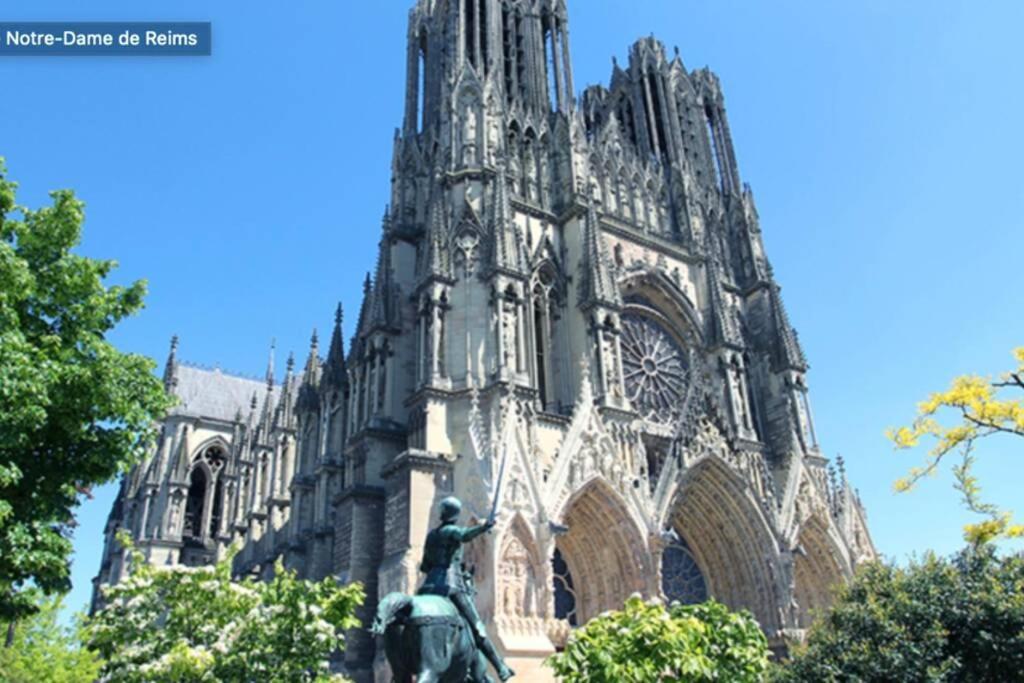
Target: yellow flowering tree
980, 408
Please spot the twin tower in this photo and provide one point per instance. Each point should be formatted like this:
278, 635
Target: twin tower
574, 284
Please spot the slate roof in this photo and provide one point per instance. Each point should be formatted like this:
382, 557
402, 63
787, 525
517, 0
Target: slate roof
215, 394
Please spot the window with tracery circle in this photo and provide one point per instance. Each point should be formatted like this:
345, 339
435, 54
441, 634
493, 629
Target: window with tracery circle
655, 368
681, 578
214, 458
565, 591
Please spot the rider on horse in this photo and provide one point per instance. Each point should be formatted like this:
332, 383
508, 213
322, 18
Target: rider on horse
447, 576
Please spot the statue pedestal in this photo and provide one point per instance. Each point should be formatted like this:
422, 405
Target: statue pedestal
530, 670
525, 644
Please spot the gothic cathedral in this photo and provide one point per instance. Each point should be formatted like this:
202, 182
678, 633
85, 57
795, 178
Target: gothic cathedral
574, 285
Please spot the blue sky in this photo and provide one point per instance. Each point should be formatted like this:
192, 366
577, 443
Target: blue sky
882, 140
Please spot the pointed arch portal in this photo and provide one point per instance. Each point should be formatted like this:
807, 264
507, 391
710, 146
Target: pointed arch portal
602, 559
817, 569
729, 540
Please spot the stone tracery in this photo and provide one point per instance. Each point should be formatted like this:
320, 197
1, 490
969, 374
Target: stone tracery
654, 368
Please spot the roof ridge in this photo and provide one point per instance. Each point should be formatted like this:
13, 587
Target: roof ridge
227, 373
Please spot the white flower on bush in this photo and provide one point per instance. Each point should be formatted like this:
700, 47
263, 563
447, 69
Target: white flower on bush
196, 623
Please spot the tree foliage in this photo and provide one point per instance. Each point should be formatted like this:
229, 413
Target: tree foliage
184, 624
75, 410
937, 620
43, 650
648, 643
981, 409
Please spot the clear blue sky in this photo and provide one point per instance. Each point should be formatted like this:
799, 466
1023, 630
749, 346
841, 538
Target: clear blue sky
882, 139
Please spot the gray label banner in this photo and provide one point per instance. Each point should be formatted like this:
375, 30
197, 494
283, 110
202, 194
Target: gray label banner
95, 38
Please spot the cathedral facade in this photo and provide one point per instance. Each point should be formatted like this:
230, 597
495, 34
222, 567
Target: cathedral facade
570, 288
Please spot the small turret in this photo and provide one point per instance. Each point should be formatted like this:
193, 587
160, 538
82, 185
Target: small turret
335, 373
508, 252
171, 367
597, 282
788, 353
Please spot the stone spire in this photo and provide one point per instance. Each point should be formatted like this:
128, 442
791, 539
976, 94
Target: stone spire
364, 308
508, 253
597, 282
253, 403
284, 411
788, 353
311, 372
267, 415
171, 368
335, 373
270, 366
307, 399
722, 321
386, 292
436, 261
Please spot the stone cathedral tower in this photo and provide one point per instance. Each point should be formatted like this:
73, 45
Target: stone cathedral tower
577, 285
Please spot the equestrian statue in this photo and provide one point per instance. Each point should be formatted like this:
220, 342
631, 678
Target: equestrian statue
437, 635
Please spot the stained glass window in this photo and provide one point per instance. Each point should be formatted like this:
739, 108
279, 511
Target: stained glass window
655, 369
565, 592
681, 578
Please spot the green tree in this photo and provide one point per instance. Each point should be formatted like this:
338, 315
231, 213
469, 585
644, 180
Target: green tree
936, 620
43, 650
74, 411
981, 408
648, 643
183, 624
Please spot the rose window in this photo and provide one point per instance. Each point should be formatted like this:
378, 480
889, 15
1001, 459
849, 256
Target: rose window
655, 369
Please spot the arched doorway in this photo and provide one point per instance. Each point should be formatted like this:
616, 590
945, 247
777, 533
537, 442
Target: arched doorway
817, 570
195, 503
728, 539
601, 559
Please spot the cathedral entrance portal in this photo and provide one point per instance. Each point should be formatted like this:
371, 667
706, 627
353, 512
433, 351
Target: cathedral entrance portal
601, 560
725, 544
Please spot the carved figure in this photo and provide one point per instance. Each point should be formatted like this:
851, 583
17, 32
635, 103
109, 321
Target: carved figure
438, 634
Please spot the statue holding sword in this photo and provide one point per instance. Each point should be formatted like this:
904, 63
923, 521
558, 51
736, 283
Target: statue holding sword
448, 576
437, 636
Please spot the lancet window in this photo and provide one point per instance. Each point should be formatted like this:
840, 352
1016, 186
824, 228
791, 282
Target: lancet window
205, 502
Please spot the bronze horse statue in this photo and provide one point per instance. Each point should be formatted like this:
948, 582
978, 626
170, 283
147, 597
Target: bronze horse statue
426, 637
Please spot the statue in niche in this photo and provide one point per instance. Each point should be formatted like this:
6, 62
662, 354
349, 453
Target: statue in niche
514, 170
493, 137
174, 516
663, 213
510, 340
518, 581
641, 209
518, 494
789, 612
611, 365
530, 162
624, 200
469, 134
740, 395
545, 179
439, 339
